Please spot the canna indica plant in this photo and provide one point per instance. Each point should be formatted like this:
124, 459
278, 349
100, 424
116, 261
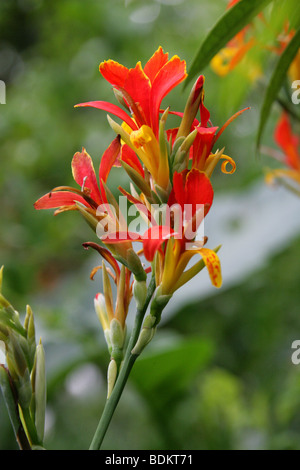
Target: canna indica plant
168, 168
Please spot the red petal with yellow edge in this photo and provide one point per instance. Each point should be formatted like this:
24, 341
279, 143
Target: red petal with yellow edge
287, 141
213, 265
154, 237
134, 82
57, 199
169, 76
129, 156
155, 63
114, 72
110, 108
84, 174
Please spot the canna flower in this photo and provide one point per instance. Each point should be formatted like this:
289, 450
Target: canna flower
289, 143
140, 91
170, 247
161, 152
93, 201
191, 190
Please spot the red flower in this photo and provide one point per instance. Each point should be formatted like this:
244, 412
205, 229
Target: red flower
90, 195
141, 89
190, 188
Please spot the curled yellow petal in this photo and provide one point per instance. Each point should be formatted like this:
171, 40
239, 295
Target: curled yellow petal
225, 163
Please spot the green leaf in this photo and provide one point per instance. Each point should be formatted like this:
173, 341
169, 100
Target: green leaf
234, 19
292, 12
12, 408
276, 81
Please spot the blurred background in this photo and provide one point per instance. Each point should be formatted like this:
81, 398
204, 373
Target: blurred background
218, 374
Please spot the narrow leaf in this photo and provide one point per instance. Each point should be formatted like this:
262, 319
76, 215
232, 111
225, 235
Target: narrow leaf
276, 82
233, 20
12, 408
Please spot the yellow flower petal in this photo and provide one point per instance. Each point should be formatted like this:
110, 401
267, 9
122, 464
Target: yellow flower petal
225, 163
213, 265
141, 137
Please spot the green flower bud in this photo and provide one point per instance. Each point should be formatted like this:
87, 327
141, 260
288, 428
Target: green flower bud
112, 373
158, 303
140, 293
144, 338
39, 388
116, 334
146, 335
135, 265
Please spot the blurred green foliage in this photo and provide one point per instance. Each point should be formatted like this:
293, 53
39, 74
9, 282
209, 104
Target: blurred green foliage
218, 374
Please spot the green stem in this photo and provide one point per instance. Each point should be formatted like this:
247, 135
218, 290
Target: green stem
121, 381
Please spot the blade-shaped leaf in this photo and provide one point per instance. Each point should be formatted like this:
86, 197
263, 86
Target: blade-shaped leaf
235, 19
276, 81
12, 408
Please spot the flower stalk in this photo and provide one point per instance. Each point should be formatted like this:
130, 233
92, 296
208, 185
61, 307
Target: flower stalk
128, 362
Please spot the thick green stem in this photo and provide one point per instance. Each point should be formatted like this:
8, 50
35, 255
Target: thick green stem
127, 365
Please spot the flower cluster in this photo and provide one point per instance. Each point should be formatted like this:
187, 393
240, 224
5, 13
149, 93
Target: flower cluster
169, 167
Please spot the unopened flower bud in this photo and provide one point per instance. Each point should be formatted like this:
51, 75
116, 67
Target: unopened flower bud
112, 373
158, 303
140, 293
135, 265
191, 107
100, 309
38, 378
145, 336
116, 334
182, 155
30, 329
